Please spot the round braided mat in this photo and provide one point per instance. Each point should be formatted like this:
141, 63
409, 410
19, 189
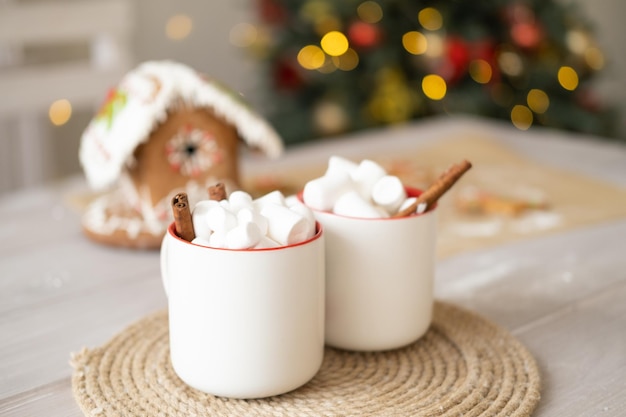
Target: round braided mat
464, 365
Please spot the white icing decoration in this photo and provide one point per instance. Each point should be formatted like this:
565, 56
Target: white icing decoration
151, 220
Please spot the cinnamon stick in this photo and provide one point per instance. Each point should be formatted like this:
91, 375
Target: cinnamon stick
182, 217
217, 192
179, 197
437, 189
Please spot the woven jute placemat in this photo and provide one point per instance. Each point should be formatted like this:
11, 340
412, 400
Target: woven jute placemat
463, 366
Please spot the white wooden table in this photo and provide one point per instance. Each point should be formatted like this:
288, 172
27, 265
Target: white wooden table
563, 296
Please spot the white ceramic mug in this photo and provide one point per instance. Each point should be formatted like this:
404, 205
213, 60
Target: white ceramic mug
245, 323
379, 279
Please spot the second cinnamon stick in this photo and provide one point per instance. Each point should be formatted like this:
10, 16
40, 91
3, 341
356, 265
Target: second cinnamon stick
437, 189
217, 192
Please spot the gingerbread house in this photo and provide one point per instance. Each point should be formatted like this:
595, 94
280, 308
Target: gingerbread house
164, 129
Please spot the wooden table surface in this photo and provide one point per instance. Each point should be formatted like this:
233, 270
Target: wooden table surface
562, 295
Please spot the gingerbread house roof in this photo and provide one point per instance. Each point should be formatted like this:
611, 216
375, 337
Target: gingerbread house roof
141, 101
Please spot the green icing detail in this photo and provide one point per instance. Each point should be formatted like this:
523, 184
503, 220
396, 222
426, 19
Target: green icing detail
113, 104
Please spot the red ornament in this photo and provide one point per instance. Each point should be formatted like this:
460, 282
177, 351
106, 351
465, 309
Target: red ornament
272, 12
459, 53
287, 76
526, 32
518, 12
456, 60
527, 35
364, 35
589, 100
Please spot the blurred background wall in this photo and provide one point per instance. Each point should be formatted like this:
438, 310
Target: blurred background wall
609, 22
76, 49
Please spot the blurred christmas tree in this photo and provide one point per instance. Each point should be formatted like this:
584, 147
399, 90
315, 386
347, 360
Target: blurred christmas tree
338, 66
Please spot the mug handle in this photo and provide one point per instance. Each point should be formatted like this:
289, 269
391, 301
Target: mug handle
164, 264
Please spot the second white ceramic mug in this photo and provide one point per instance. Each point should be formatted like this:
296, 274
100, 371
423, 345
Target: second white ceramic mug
245, 323
379, 279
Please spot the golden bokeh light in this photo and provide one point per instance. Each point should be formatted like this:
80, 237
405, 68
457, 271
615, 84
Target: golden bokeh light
568, 78
369, 12
522, 117
334, 43
330, 117
243, 35
60, 112
538, 100
577, 41
435, 45
178, 27
594, 58
414, 42
510, 63
434, 87
430, 18
311, 57
328, 66
480, 71
347, 61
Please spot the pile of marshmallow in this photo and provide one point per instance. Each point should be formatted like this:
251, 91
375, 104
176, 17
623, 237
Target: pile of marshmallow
239, 222
362, 190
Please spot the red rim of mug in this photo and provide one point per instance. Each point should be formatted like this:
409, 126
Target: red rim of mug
318, 232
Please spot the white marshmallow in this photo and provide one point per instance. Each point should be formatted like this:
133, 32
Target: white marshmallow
266, 243
337, 164
220, 220
205, 205
382, 212
389, 193
275, 197
285, 226
420, 207
366, 175
218, 239
201, 241
245, 235
239, 200
305, 212
407, 203
292, 199
198, 217
322, 193
251, 215
352, 204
